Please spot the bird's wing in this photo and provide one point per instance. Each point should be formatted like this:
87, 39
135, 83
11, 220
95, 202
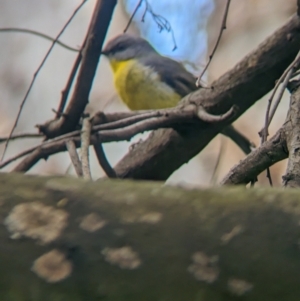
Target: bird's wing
172, 73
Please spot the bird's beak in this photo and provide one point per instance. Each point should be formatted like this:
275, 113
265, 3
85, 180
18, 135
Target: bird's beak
104, 52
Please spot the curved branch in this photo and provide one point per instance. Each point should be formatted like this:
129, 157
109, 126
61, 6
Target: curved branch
206, 117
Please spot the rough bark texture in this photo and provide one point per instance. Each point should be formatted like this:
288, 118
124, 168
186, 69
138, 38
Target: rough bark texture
272, 151
166, 150
122, 240
292, 133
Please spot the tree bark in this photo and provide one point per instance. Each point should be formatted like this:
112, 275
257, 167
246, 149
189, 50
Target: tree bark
68, 239
292, 134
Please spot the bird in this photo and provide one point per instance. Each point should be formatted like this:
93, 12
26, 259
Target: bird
146, 80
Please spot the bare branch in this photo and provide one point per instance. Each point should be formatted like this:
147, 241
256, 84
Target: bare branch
221, 152
284, 144
85, 143
74, 157
120, 120
49, 147
103, 160
270, 152
66, 90
239, 139
90, 58
223, 27
21, 136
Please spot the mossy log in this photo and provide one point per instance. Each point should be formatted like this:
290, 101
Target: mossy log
66, 239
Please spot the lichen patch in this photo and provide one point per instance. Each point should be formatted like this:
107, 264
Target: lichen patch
92, 222
26, 192
52, 266
227, 237
239, 287
204, 268
63, 202
151, 217
202, 259
124, 257
202, 273
63, 184
37, 221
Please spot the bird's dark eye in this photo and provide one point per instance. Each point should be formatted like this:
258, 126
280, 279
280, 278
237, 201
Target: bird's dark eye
119, 47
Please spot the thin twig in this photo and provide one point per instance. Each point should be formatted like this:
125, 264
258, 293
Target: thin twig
68, 170
279, 97
222, 147
71, 147
39, 34
85, 143
122, 119
223, 27
269, 176
122, 133
264, 132
44, 152
35, 75
132, 16
66, 90
128, 120
99, 151
123, 122
108, 133
162, 23
21, 136
56, 145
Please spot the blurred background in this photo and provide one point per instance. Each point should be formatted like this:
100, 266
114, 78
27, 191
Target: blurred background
195, 29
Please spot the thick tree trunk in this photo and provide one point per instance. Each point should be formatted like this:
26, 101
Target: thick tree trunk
66, 239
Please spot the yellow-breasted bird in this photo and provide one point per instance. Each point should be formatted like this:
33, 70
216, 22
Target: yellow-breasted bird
146, 80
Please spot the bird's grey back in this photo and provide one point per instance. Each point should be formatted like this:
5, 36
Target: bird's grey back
171, 72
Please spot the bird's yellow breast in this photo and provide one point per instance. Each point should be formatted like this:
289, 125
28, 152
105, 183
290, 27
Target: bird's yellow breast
140, 87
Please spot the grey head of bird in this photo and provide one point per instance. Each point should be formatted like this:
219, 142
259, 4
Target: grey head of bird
125, 47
